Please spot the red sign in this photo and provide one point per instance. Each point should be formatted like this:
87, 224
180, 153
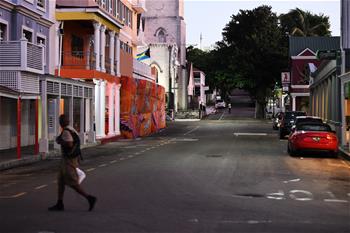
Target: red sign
285, 76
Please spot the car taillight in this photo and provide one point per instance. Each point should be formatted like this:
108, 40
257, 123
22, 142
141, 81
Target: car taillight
331, 137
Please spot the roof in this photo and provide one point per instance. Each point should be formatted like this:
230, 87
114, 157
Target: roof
298, 44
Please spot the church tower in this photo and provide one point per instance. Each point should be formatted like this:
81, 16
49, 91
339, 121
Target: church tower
165, 25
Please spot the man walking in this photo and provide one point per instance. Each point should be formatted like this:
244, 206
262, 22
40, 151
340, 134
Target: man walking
67, 175
229, 108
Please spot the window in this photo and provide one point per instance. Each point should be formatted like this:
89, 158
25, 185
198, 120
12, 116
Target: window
40, 4
28, 35
3, 32
42, 40
77, 46
161, 37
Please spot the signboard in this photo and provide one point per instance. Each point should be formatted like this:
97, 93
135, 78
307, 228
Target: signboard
327, 54
285, 77
285, 88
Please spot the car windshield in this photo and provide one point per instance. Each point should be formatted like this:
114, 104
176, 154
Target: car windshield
314, 127
304, 120
219, 101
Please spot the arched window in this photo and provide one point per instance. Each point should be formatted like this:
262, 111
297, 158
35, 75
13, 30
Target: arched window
161, 37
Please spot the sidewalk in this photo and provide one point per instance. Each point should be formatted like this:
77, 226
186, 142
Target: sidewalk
345, 153
8, 158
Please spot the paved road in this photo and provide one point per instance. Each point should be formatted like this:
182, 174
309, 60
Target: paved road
207, 176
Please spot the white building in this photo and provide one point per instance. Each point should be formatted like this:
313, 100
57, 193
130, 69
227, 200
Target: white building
165, 31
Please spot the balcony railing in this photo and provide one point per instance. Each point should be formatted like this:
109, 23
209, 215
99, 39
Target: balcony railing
142, 70
139, 5
21, 56
84, 61
78, 60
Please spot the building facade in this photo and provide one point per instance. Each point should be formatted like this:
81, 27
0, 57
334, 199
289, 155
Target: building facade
324, 95
165, 30
345, 74
24, 57
90, 48
302, 53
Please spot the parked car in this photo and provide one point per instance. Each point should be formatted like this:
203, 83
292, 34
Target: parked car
276, 121
307, 119
287, 121
220, 104
313, 136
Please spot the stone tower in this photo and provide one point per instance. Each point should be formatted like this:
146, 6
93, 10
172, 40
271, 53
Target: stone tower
165, 25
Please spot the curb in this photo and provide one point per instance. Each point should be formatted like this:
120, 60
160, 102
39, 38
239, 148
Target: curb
186, 120
344, 154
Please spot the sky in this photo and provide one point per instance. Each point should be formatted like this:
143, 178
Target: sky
209, 17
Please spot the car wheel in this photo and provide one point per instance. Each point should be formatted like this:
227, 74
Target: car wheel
333, 154
290, 150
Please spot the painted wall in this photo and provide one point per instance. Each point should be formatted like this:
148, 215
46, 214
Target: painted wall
142, 107
297, 69
126, 63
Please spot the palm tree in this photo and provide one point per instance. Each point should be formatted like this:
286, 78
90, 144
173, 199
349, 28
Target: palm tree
303, 23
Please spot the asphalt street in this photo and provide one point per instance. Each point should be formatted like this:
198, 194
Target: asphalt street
223, 174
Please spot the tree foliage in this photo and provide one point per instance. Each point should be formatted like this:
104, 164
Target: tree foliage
303, 23
254, 50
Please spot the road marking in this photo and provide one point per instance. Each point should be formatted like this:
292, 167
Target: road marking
102, 165
19, 195
276, 196
250, 134
245, 221
137, 153
192, 130
121, 159
130, 156
186, 139
295, 197
240, 196
41, 186
336, 200
294, 180
90, 169
195, 220
113, 161
13, 196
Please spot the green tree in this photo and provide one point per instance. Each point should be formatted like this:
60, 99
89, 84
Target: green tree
254, 39
303, 23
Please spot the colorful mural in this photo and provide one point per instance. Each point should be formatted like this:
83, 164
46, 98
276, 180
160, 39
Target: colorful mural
142, 107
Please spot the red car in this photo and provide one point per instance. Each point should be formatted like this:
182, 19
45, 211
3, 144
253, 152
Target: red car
317, 137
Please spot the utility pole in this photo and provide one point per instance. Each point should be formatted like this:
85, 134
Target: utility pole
200, 39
